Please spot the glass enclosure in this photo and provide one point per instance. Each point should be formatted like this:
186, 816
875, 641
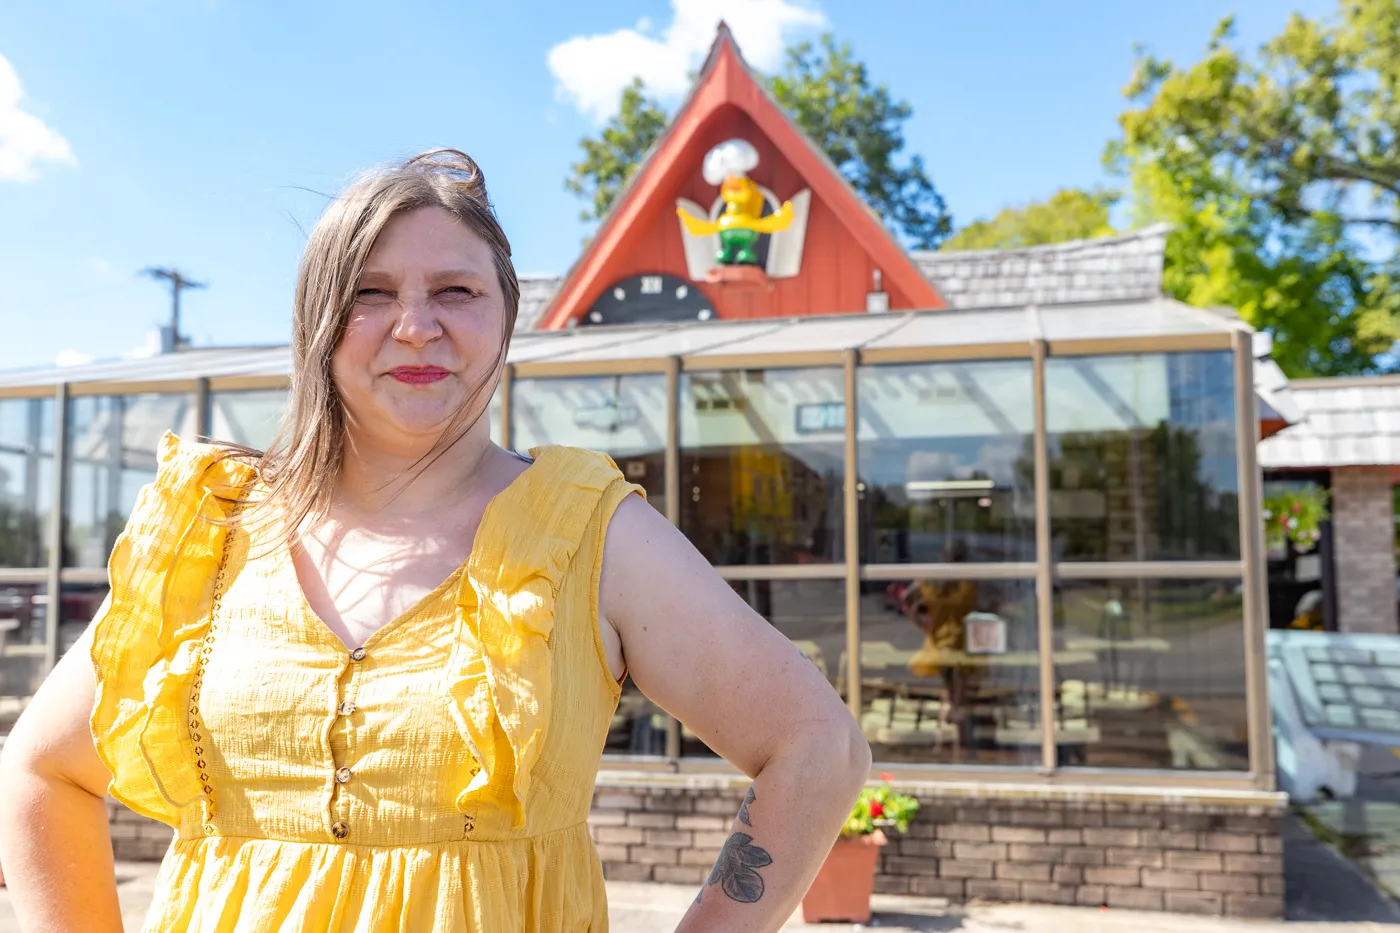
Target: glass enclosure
950, 671
947, 465
113, 441
1151, 672
26, 478
249, 417
926, 617
1142, 457
762, 465
622, 416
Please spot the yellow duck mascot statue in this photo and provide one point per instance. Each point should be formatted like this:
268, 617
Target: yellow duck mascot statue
742, 220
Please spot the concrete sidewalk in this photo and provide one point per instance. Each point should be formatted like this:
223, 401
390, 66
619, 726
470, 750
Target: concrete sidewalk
653, 908
657, 908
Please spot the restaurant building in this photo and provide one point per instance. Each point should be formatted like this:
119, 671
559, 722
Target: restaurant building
1345, 446
1007, 503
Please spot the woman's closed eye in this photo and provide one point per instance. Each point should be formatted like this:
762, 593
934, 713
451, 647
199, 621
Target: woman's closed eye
458, 292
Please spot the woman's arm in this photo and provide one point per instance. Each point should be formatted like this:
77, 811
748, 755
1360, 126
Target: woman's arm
54, 841
698, 651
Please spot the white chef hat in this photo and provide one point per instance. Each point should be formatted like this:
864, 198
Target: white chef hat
732, 157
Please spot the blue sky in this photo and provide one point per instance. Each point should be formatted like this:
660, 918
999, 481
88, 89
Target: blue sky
204, 134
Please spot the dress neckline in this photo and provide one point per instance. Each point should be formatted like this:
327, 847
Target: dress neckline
450, 584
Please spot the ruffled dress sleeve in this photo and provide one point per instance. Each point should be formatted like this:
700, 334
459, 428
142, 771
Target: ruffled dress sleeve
499, 679
146, 643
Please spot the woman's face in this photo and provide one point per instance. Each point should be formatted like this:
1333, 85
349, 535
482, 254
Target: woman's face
425, 331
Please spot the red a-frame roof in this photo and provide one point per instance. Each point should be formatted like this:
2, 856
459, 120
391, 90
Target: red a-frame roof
846, 241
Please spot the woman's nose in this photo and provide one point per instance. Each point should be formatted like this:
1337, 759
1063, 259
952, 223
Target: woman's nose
417, 324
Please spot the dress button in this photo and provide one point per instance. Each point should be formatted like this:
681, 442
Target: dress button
208, 830
339, 830
342, 775
347, 708
358, 654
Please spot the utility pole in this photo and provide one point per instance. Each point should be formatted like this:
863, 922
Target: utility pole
178, 283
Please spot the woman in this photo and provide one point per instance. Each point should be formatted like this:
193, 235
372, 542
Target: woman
368, 676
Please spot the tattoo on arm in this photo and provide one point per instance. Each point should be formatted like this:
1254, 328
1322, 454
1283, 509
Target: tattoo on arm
749, 798
736, 870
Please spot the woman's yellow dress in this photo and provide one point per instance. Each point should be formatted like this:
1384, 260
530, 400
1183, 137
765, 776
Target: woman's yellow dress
436, 778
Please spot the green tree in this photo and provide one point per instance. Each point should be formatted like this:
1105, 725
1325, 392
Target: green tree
608, 161
1281, 175
1069, 214
860, 128
830, 95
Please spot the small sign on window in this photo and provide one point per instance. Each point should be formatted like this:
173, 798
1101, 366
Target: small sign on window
986, 633
821, 418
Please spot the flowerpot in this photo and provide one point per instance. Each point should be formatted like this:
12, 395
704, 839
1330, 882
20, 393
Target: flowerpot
843, 887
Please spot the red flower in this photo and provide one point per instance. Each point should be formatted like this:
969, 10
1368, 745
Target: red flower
886, 776
877, 809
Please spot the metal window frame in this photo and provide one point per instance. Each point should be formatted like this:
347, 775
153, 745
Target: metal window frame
1249, 568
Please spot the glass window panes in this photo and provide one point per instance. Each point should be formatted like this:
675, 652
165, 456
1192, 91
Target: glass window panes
950, 672
762, 465
26, 480
79, 607
23, 610
112, 442
250, 417
812, 614
947, 466
622, 416
638, 726
1142, 457
1154, 672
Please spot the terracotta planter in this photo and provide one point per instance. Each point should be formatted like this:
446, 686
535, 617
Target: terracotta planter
843, 887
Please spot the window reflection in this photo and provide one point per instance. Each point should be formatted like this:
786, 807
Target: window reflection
23, 610
622, 416
1155, 668
950, 670
762, 465
250, 418
811, 614
80, 604
113, 440
26, 481
1142, 457
638, 726
945, 454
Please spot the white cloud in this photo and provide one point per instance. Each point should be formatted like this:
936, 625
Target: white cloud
24, 139
73, 358
144, 351
591, 71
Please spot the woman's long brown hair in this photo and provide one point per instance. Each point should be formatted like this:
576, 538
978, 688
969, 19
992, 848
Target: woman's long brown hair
300, 466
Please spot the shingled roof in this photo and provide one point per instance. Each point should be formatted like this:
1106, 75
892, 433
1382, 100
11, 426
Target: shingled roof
536, 292
1117, 268
1348, 421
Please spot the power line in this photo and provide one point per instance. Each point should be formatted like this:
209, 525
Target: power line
178, 283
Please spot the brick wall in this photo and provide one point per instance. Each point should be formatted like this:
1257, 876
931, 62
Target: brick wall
1048, 845
1363, 528
134, 837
